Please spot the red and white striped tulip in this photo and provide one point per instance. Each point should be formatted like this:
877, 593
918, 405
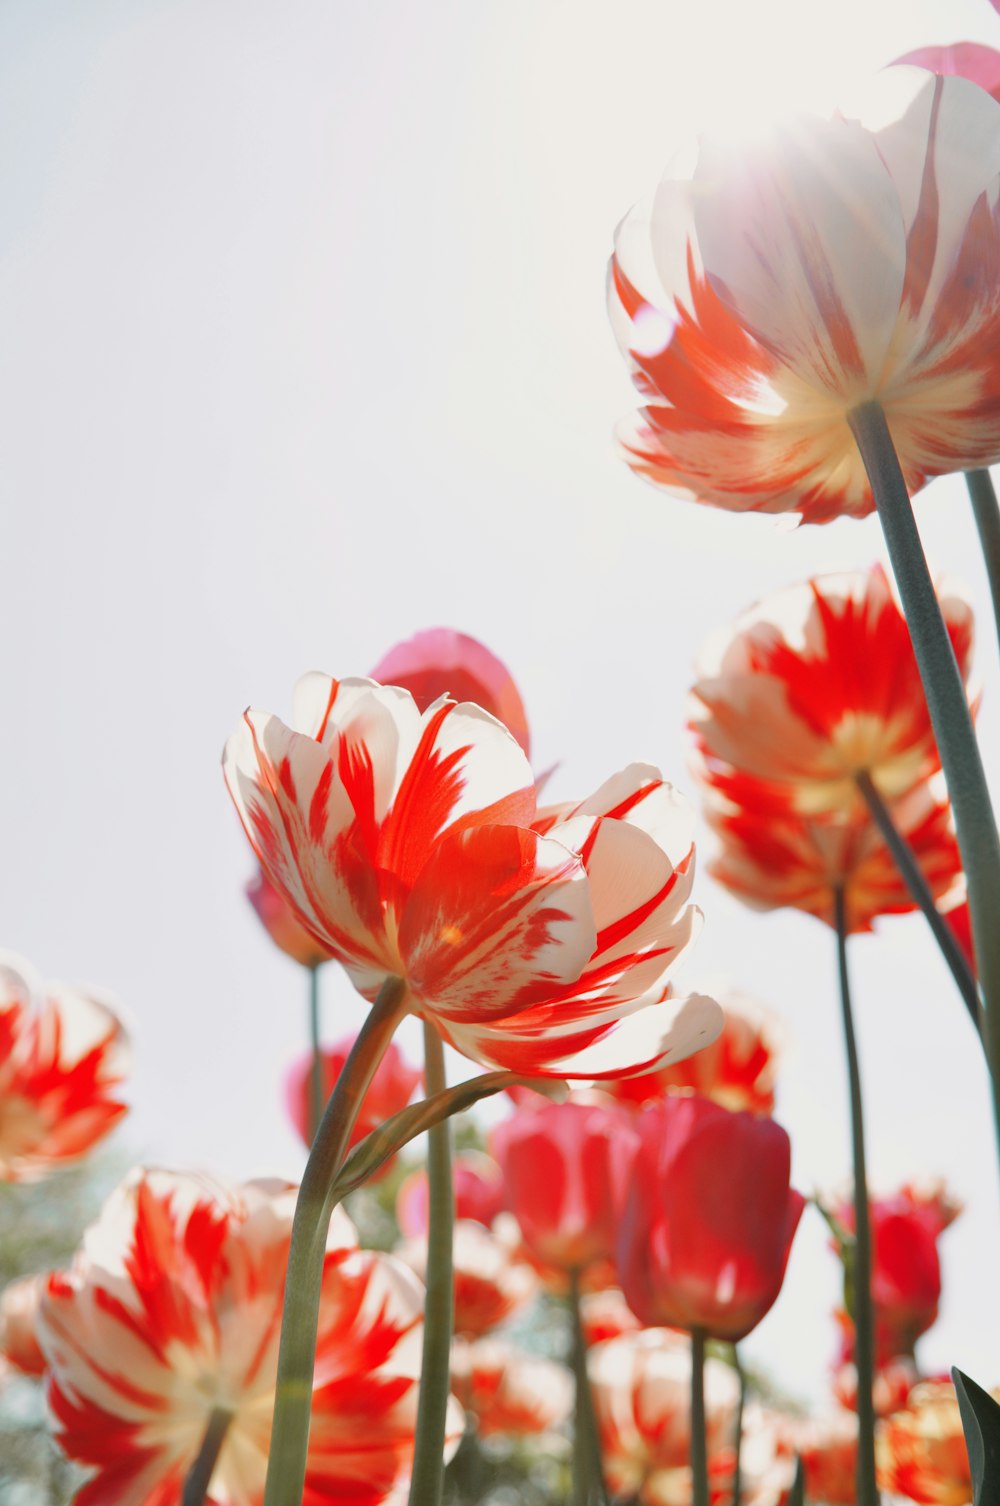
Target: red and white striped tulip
786, 280
410, 845
64, 1054
172, 1311
815, 685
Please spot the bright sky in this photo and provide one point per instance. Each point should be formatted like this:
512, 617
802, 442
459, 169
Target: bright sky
304, 348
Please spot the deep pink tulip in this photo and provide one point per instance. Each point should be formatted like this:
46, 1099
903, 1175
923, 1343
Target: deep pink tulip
906, 1270
440, 662
971, 60
564, 1169
391, 1089
709, 1218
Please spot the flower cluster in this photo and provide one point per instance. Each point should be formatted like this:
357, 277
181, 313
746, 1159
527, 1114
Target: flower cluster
812, 319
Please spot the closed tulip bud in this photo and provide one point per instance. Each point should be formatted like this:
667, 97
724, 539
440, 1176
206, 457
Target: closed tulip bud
564, 1168
906, 1270
709, 1219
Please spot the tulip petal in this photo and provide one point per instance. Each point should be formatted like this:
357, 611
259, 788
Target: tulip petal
498, 917
805, 203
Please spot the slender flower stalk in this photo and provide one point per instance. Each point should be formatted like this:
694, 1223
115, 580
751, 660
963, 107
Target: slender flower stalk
699, 1440
199, 1476
588, 1469
946, 700
908, 866
738, 1430
427, 1479
296, 1354
987, 516
316, 1066
864, 1327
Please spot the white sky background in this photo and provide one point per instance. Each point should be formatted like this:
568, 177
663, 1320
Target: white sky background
304, 348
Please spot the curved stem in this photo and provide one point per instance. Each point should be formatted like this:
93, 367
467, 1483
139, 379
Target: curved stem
864, 1328
738, 1440
987, 516
316, 1065
914, 880
286, 1465
699, 1438
975, 825
427, 1479
199, 1476
588, 1468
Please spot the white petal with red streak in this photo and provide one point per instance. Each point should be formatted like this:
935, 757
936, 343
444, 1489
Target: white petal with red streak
381, 719
660, 811
281, 830
651, 1035
494, 767
627, 867
962, 149
816, 269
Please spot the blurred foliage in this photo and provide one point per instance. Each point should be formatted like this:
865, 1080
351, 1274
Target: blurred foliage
40, 1228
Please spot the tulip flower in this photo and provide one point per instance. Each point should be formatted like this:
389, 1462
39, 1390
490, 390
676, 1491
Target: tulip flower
972, 60
410, 845
736, 1070
64, 1054
906, 1270
828, 1448
440, 662
478, 1187
709, 1218
789, 281
814, 687
800, 862
508, 1391
641, 1385
565, 1167
391, 1089
283, 925
893, 1381
606, 1315
167, 1324
491, 1284
921, 1450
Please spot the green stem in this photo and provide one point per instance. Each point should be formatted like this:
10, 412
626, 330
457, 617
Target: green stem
913, 877
864, 1327
316, 1065
588, 1470
286, 1465
427, 1479
738, 1440
975, 825
987, 516
199, 1476
699, 1433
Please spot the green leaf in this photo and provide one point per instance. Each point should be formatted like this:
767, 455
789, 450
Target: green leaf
981, 1425
375, 1149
